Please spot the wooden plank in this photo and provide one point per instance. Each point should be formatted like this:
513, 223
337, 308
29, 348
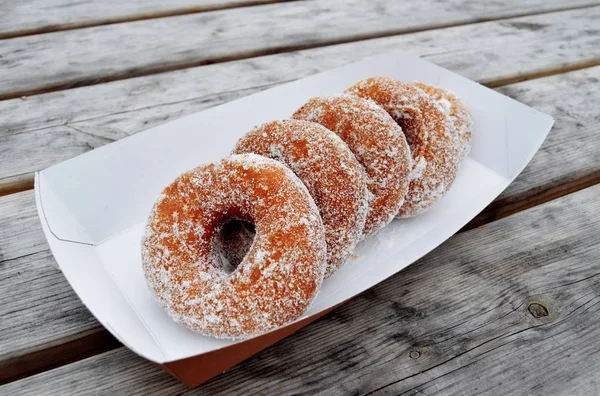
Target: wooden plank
60, 60
508, 308
21, 232
27, 17
19, 229
558, 40
37, 305
569, 159
553, 41
78, 120
39, 308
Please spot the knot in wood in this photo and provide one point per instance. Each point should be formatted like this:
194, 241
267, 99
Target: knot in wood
537, 310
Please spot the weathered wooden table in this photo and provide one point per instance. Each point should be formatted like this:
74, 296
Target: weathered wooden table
510, 305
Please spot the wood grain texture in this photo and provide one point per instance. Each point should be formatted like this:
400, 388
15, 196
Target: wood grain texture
569, 159
48, 128
61, 60
25, 17
459, 321
540, 42
39, 310
20, 231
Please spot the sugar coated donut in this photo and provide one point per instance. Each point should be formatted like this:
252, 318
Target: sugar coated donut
377, 142
331, 173
430, 135
457, 111
279, 276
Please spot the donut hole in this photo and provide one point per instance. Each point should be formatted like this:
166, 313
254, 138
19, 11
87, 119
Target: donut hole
411, 122
233, 241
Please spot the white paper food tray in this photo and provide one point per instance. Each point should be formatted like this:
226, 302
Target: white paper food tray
93, 207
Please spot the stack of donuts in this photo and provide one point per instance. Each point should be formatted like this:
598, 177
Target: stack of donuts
239, 247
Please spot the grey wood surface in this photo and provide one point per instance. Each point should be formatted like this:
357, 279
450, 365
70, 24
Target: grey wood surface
459, 321
569, 152
39, 311
559, 40
25, 17
117, 51
48, 128
456, 322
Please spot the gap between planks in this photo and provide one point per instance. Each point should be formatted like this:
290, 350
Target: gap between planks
81, 346
150, 70
225, 5
17, 184
580, 65
496, 211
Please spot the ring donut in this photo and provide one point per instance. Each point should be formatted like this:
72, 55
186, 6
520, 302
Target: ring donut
430, 135
276, 280
457, 111
331, 173
377, 142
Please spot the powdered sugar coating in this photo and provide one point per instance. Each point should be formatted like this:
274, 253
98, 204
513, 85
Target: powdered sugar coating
457, 111
429, 132
331, 173
278, 278
378, 144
